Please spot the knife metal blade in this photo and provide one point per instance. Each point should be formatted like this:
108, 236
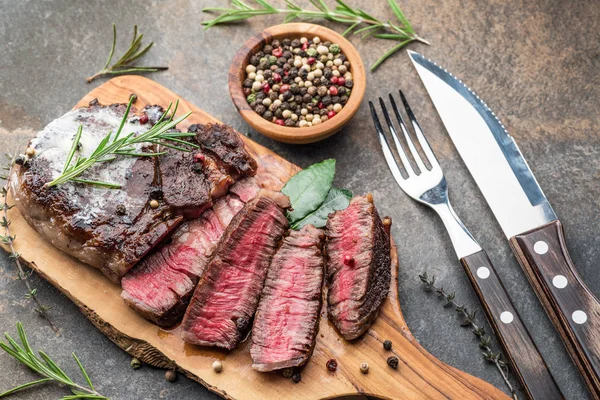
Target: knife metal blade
489, 152
534, 232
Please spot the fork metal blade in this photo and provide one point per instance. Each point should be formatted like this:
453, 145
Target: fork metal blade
489, 152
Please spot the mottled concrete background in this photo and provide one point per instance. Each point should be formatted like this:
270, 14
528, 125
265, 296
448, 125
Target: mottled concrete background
536, 63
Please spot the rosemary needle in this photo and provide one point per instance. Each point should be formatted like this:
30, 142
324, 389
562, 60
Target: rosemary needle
125, 64
360, 22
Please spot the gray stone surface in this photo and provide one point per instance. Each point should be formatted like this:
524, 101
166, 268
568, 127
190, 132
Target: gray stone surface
535, 63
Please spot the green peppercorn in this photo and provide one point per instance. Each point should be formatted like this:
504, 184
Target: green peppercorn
135, 363
272, 60
311, 52
288, 372
251, 98
334, 48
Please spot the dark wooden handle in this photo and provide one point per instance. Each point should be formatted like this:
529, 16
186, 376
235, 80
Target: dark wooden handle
522, 353
574, 310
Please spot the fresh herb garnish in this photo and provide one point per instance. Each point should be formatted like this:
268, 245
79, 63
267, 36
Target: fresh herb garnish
114, 145
359, 21
47, 368
125, 64
469, 322
8, 239
312, 197
337, 199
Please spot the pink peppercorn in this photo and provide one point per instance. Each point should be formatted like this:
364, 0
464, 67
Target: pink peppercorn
143, 119
331, 114
321, 104
311, 60
334, 80
276, 78
278, 52
333, 91
341, 81
280, 122
266, 87
284, 88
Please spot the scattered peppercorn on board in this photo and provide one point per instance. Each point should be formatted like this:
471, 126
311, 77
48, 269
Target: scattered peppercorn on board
419, 375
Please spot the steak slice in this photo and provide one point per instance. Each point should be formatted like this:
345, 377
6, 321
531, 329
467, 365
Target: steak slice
287, 320
112, 229
358, 266
161, 285
227, 295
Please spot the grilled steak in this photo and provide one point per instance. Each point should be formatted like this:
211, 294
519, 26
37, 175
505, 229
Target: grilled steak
287, 320
161, 285
358, 266
226, 297
112, 229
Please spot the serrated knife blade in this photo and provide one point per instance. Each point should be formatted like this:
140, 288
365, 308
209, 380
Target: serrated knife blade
535, 234
489, 152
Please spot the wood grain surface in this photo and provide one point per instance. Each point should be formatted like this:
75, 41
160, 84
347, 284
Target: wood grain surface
237, 74
419, 374
572, 307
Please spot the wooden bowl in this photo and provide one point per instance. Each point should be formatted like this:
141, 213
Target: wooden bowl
296, 135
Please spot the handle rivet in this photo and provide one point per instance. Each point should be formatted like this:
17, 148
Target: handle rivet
560, 281
483, 272
506, 317
540, 247
579, 317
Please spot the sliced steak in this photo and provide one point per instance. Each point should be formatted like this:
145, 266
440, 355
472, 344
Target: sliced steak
358, 266
112, 229
226, 297
161, 285
287, 320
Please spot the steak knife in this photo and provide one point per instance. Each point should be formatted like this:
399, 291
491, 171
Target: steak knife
534, 232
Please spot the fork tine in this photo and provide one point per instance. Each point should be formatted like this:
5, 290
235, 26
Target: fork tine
385, 146
419, 133
409, 141
403, 157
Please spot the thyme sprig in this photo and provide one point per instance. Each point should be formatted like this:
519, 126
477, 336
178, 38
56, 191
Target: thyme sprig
125, 64
359, 21
469, 322
47, 368
116, 145
8, 239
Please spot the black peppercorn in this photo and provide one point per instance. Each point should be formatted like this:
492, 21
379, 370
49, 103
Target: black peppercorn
323, 111
120, 210
286, 42
279, 71
393, 362
331, 364
268, 49
298, 110
261, 95
281, 61
285, 106
335, 99
260, 109
387, 344
273, 96
322, 91
288, 95
287, 55
298, 99
264, 65
268, 74
93, 102
293, 105
296, 377
193, 128
317, 82
247, 91
289, 122
286, 67
349, 83
275, 43
326, 100
254, 60
19, 160
294, 88
306, 98
268, 115
343, 100
327, 43
156, 193
295, 43
342, 57
278, 113
341, 91
303, 73
286, 79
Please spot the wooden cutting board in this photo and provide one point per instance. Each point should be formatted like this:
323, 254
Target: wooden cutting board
419, 374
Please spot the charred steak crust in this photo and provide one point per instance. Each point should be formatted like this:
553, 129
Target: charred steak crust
287, 320
161, 285
226, 297
110, 229
358, 266
222, 141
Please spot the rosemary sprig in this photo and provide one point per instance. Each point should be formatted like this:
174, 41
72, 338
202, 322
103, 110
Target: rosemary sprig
47, 368
469, 322
125, 64
359, 21
9, 239
117, 145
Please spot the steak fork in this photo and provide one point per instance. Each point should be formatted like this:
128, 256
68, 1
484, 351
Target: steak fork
428, 186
